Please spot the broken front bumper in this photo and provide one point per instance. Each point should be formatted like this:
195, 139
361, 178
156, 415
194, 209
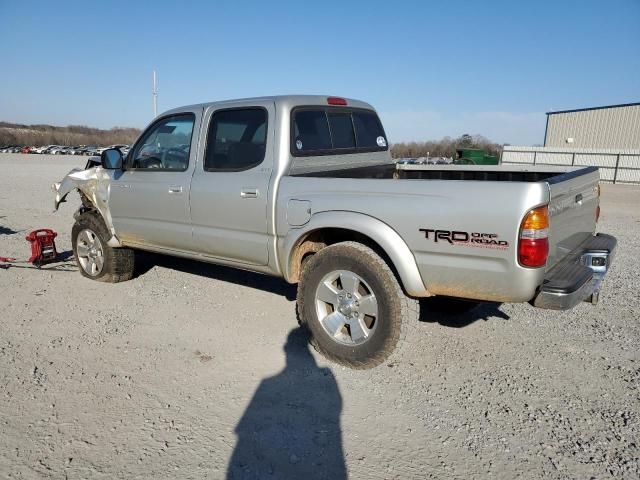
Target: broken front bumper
578, 277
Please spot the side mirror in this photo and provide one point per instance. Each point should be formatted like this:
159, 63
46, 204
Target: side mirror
111, 159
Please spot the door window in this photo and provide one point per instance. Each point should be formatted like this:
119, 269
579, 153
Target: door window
165, 146
236, 140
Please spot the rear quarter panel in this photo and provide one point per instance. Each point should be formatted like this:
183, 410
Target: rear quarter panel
413, 207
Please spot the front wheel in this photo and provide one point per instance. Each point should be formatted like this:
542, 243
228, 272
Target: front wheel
95, 258
353, 305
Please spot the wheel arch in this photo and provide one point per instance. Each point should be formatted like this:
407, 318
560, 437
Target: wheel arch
327, 228
93, 185
89, 207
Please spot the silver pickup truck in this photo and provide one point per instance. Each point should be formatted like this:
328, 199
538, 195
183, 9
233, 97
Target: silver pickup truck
304, 188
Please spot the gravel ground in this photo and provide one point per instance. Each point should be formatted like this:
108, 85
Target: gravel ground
198, 371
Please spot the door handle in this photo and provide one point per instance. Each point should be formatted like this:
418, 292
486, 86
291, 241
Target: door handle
175, 188
249, 193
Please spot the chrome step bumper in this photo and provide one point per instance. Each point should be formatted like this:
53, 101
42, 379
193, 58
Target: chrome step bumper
578, 277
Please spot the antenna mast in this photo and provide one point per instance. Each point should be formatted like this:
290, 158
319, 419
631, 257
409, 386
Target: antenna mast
155, 94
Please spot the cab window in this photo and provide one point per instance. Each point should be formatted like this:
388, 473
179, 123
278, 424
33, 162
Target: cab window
165, 146
236, 139
335, 131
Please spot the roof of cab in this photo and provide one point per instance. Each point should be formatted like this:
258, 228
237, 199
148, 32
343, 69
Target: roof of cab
285, 101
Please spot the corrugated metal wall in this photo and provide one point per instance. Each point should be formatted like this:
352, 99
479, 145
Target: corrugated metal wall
612, 127
615, 165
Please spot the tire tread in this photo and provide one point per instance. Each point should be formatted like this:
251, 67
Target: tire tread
119, 263
409, 308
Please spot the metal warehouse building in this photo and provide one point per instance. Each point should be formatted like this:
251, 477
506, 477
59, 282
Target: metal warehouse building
613, 126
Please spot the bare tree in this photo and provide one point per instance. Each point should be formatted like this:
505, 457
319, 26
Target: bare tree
445, 147
17, 134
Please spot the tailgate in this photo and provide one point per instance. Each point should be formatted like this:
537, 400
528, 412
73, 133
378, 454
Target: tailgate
572, 211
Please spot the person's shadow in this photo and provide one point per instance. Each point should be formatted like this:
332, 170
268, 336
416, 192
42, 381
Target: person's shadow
291, 428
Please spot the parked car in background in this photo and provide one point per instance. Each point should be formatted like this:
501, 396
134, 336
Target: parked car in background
91, 151
82, 150
58, 150
77, 150
99, 150
425, 161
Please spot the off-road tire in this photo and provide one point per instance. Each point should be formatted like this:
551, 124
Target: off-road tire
398, 313
118, 263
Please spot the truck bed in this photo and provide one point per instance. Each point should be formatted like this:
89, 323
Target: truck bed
492, 173
493, 200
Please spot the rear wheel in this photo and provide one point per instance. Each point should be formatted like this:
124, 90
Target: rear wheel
353, 305
95, 258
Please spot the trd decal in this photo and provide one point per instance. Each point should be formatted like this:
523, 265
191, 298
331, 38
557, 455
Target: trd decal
473, 239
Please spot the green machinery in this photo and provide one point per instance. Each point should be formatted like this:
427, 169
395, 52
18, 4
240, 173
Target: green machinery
474, 156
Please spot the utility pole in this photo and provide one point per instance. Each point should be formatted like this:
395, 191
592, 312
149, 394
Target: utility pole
155, 94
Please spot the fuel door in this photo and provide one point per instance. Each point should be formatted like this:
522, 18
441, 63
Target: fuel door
298, 212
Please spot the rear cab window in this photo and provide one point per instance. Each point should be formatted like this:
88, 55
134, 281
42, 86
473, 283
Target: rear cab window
321, 130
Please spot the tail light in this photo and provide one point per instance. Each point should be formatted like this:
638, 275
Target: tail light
533, 244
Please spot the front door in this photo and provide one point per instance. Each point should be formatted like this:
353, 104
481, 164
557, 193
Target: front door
149, 199
229, 191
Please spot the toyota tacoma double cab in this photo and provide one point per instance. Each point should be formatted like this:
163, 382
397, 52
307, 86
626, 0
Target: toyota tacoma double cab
304, 188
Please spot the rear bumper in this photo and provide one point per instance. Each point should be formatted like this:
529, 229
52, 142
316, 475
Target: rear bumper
578, 277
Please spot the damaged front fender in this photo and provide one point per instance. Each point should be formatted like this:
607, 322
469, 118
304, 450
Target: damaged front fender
95, 184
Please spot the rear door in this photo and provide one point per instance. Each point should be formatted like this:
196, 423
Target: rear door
229, 191
149, 199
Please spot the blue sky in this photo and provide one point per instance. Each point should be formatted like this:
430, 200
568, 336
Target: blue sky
431, 68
